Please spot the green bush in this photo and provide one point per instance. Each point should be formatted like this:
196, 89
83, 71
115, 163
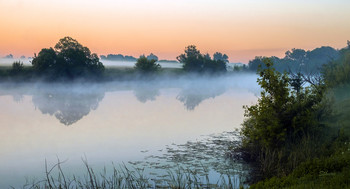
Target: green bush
17, 68
337, 72
285, 119
146, 65
328, 172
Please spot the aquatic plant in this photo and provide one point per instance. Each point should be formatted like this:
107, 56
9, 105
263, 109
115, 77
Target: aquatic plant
125, 177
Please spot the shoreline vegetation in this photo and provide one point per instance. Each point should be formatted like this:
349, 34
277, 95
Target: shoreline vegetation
296, 136
179, 167
123, 177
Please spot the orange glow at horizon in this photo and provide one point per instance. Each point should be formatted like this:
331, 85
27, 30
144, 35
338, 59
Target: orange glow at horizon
241, 29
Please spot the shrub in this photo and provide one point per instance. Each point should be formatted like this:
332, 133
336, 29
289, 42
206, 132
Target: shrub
146, 65
337, 72
282, 121
17, 68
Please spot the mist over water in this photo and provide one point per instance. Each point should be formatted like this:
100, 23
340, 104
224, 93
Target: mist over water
107, 63
9, 61
131, 64
112, 122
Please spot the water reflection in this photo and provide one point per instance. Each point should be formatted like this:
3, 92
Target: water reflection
71, 102
146, 93
191, 96
28, 137
67, 106
18, 97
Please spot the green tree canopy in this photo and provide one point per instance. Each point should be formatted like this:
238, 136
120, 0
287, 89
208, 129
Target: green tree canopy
284, 113
67, 60
285, 116
337, 72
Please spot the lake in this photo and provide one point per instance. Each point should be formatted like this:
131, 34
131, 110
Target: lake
135, 123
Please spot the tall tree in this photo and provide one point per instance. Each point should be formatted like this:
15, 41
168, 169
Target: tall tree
67, 60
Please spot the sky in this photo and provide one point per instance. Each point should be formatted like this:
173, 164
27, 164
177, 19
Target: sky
242, 29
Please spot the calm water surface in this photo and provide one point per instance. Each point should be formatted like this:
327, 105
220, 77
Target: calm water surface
119, 122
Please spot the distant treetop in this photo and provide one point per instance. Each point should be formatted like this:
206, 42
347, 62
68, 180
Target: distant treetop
152, 57
220, 56
9, 56
299, 60
118, 57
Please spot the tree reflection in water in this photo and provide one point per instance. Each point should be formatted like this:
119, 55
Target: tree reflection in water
71, 102
191, 96
67, 106
146, 93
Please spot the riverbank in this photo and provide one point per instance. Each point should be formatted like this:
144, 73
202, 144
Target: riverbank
298, 137
111, 73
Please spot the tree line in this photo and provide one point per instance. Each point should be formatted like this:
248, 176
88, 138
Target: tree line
69, 60
298, 60
120, 57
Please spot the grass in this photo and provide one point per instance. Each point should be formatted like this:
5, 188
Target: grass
327, 172
125, 177
160, 171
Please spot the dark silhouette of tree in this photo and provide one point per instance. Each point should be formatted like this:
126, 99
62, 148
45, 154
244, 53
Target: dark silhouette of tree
296, 82
9, 56
337, 72
214, 65
103, 57
145, 65
17, 68
194, 61
67, 60
129, 58
152, 57
298, 55
191, 59
118, 57
257, 62
299, 60
47, 63
219, 56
